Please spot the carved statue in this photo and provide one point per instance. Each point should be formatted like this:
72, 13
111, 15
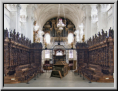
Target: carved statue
37, 40
35, 35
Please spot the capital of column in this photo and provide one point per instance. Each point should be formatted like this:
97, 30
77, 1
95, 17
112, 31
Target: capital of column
13, 13
12, 7
23, 10
18, 6
29, 9
23, 18
18, 9
103, 7
94, 18
86, 9
94, 9
30, 18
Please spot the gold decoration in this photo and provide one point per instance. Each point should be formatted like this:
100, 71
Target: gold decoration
52, 24
72, 45
83, 39
45, 45
35, 37
38, 40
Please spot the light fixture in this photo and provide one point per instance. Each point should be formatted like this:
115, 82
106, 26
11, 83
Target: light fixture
60, 24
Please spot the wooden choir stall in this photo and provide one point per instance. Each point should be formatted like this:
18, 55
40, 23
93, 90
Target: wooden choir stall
22, 59
95, 59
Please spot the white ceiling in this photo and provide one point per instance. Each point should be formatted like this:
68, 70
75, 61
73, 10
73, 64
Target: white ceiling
44, 12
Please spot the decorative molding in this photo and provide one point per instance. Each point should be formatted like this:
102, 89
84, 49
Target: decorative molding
23, 18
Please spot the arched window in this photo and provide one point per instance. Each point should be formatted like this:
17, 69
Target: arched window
59, 53
70, 53
47, 53
70, 38
47, 38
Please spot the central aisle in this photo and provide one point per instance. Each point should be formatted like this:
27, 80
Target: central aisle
70, 80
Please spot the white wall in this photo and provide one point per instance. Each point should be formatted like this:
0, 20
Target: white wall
6, 19
106, 21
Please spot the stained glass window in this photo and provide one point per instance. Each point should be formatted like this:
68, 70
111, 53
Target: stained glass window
47, 53
70, 53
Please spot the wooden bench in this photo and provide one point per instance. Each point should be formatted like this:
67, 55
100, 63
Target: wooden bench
92, 72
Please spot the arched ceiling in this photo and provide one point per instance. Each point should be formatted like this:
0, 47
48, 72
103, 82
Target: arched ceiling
44, 12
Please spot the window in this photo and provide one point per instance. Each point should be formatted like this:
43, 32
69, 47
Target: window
47, 53
70, 53
70, 38
47, 38
59, 53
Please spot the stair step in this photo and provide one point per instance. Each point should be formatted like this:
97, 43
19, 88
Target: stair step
10, 80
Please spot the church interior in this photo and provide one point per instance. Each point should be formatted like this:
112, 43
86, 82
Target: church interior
58, 45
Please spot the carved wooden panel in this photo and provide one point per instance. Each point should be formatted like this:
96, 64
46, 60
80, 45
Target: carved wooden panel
100, 51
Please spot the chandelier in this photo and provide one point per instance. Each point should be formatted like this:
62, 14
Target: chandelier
60, 24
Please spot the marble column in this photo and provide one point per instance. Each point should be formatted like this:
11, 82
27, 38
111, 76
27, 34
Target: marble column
29, 23
67, 56
102, 17
6, 19
84, 24
81, 32
23, 29
113, 15
23, 17
88, 31
13, 16
94, 19
74, 55
18, 19
94, 28
77, 33
43, 56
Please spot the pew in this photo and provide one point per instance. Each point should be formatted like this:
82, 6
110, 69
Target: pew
22, 72
26, 72
92, 72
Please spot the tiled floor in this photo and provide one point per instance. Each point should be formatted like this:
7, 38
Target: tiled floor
70, 80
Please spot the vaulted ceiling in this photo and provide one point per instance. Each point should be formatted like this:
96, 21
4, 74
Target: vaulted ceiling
44, 12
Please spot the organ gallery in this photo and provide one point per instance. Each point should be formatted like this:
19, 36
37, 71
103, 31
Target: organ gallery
66, 41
